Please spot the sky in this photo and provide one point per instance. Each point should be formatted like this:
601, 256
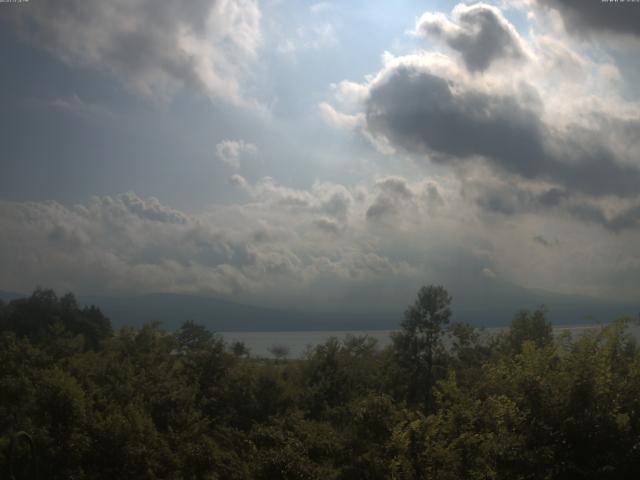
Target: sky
315, 154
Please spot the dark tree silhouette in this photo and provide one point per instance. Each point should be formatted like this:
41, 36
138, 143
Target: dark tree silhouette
530, 327
421, 339
280, 352
37, 316
192, 336
239, 349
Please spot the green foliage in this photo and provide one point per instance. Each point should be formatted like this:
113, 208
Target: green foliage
337, 372
41, 314
239, 349
192, 337
280, 352
146, 403
292, 448
418, 346
529, 327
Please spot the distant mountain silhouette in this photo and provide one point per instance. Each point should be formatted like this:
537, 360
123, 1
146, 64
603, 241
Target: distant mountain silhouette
494, 303
8, 296
223, 315
493, 306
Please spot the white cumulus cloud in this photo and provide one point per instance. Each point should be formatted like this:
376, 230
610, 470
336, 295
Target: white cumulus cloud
231, 151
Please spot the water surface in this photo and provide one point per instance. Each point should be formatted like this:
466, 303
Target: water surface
298, 341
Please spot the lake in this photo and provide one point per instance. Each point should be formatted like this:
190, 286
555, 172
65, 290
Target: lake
298, 341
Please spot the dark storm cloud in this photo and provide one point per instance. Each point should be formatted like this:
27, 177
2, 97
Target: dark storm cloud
419, 111
513, 199
427, 113
481, 35
598, 16
627, 219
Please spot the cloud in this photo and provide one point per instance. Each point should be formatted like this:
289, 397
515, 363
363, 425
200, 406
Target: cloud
480, 33
312, 37
153, 48
127, 245
77, 106
511, 198
596, 16
424, 105
423, 111
303, 247
488, 273
230, 151
626, 219
484, 139
397, 201
327, 199
320, 7
541, 240
380, 209
328, 226
147, 209
534, 139
522, 140
339, 119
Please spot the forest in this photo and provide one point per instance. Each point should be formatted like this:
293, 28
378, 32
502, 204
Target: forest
444, 401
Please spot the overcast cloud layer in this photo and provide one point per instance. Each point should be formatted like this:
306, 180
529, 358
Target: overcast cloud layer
485, 146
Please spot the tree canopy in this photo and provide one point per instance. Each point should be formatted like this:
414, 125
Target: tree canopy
420, 340
150, 404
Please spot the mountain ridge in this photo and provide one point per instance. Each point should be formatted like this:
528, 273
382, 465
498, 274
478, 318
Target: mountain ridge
172, 309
